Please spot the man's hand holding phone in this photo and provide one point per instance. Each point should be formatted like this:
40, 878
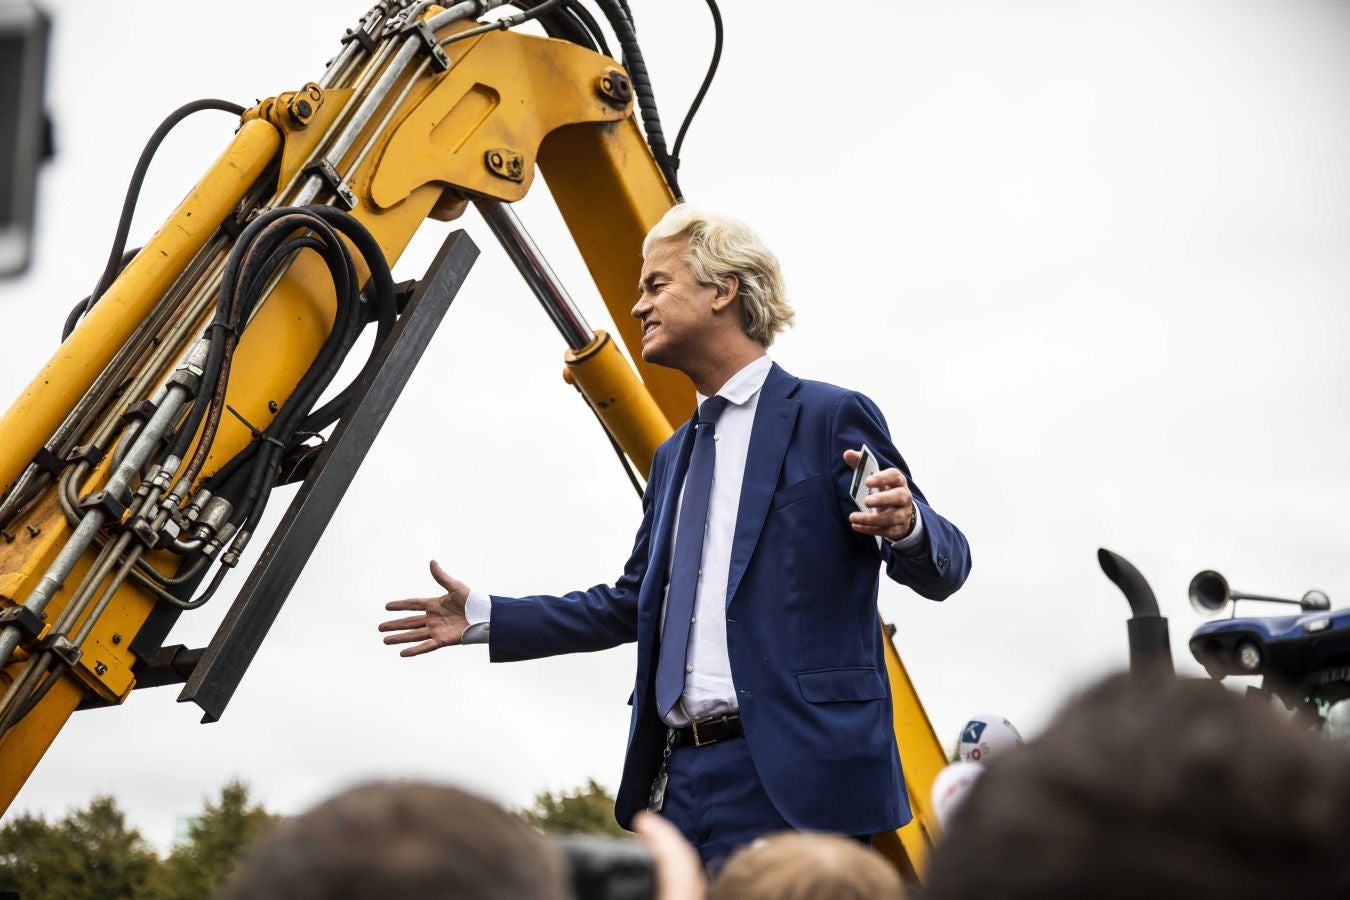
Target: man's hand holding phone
885, 504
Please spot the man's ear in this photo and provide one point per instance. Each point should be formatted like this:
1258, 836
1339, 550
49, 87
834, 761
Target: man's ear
728, 286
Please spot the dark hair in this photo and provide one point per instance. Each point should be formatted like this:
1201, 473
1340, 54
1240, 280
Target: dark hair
384, 841
1155, 788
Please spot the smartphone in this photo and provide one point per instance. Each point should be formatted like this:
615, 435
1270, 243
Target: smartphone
867, 467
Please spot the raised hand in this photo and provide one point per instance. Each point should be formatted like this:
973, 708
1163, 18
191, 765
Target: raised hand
892, 515
440, 621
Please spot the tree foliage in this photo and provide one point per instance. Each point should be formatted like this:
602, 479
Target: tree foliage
93, 854
589, 810
216, 841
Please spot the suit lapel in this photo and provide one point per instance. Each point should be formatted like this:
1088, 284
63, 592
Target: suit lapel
775, 416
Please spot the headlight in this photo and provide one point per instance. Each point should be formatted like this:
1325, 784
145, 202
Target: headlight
1248, 656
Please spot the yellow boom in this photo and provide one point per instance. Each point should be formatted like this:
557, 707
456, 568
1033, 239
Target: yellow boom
427, 113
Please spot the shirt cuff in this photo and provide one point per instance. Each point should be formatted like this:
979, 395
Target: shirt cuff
907, 542
478, 610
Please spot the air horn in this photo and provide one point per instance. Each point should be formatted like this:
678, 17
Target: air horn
1210, 593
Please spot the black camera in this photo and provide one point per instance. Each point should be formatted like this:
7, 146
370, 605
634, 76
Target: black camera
608, 868
25, 136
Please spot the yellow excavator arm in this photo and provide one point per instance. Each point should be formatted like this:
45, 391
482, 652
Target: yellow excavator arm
135, 465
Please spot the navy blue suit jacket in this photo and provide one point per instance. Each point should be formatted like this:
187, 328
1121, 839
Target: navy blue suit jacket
803, 632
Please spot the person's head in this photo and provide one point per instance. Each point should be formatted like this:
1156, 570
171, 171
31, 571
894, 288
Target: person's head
382, 841
710, 291
805, 866
1155, 788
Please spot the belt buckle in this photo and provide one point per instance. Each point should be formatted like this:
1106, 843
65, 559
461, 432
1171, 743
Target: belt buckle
698, 741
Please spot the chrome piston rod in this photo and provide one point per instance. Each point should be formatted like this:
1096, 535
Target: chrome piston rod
518, 244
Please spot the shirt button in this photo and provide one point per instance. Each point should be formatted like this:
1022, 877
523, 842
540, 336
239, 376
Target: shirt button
717, 437
693, 619
689, 669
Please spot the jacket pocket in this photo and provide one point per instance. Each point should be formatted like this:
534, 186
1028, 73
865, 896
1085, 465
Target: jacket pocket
841, 685
798, 490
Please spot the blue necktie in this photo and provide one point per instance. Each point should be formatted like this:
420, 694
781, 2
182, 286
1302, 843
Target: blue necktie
684, 570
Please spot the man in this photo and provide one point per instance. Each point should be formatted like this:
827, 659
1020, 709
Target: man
761, 701
393, 840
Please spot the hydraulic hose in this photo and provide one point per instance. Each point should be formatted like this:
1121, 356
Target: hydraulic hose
115, 262
620, 20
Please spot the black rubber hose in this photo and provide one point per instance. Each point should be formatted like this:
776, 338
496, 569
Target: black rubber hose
249, 264
588, 22
381, 279
217, 331
138, 179
381, 290
622, 24
80, 308
563, 25
504, 22
223, 322
316, 379
384, 308
707, 80
246, 479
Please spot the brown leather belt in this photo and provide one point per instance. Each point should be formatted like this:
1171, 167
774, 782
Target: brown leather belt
707, 731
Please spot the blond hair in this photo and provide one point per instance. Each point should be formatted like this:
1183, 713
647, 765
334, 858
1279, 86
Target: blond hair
718, 247
793, 866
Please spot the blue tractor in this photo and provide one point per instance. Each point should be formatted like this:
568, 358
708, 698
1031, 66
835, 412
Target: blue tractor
1303, 659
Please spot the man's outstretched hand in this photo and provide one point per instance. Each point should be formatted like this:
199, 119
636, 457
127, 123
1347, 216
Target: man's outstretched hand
440, 621
892, 505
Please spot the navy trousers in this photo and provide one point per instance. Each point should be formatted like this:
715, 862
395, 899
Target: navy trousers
714, 796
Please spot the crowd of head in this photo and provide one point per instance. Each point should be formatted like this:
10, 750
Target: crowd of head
1139, 787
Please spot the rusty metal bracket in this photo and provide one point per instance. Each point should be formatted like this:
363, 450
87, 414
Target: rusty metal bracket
293, 109
113, 507
324, 169
62, 647
362, 37
615, 88
23, 618
440, 60
505, 163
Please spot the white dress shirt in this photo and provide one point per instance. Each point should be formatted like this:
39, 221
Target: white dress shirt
708, 688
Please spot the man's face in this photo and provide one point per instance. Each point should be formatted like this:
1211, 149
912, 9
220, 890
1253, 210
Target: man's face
675, 310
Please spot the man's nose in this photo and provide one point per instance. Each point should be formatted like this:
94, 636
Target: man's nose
641, 307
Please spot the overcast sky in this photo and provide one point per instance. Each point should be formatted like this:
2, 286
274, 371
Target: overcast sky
1090, 259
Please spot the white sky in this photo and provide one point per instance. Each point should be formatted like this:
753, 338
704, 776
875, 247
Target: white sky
1090, 258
